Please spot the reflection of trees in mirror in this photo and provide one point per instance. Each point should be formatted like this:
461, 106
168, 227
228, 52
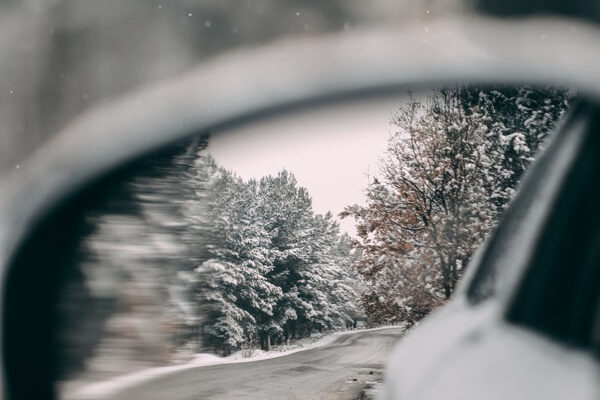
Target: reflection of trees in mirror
192, 258
450, 169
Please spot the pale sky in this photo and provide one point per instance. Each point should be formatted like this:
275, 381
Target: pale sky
330, 150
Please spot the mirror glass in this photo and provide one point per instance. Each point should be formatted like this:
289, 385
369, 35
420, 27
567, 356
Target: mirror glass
285, 257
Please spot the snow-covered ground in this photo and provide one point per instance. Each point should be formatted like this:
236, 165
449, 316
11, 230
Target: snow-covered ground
108, 387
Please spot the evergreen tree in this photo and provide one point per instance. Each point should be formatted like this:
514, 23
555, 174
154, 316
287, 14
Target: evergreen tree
275, 271
287, 212
234, 292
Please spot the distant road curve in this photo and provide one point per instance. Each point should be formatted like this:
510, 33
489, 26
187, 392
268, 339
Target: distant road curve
337, 371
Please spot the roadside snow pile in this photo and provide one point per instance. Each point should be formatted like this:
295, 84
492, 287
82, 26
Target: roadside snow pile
204, 359
283, 350
109, 387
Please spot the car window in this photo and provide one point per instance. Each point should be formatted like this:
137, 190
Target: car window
559, 295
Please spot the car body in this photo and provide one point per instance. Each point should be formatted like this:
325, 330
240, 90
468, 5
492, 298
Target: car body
282, 78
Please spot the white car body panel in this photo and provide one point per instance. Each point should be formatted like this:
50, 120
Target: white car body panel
469, 353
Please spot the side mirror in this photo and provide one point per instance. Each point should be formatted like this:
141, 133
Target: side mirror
231, 243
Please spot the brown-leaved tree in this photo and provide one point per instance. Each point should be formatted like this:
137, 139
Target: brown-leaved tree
451, 167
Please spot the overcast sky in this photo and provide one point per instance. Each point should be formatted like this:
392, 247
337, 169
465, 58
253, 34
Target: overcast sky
330, 150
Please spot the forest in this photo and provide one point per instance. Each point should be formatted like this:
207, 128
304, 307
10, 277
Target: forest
272, 269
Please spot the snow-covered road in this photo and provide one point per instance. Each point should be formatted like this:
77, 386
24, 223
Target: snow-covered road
337, 370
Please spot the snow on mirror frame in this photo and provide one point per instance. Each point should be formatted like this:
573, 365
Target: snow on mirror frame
245, 242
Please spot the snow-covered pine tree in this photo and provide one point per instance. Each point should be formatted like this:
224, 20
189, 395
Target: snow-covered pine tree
275, 270
333, 296
233, 291
287, 212
308, 263
517, 119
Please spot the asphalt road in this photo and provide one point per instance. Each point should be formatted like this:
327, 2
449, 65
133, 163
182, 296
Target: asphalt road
336, 371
